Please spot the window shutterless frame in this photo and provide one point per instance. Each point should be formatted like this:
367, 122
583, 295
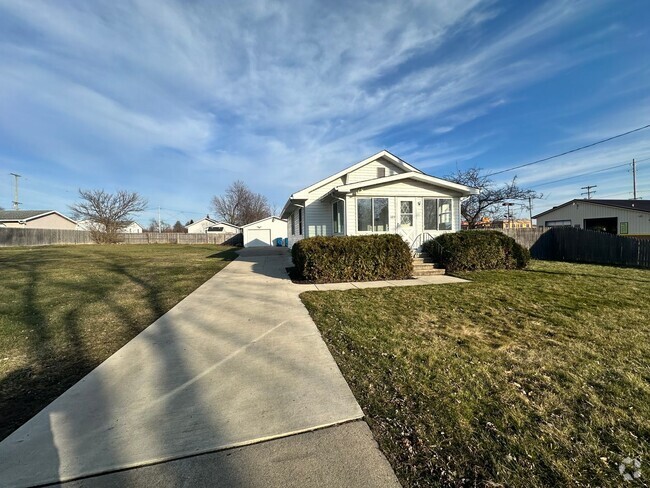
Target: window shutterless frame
372, 214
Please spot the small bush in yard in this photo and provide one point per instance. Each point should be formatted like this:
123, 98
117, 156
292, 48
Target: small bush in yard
473, 250
354, 258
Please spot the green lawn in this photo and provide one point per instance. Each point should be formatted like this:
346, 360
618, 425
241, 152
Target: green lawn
65, 309
539, 377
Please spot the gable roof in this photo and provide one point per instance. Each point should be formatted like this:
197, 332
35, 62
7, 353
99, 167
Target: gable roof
204, 218
432, 180
272, 217
223, 222
381, 154
411, 173
638, 205
135, 223
26, 215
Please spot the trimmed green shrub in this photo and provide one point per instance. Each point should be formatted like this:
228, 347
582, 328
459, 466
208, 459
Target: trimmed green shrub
473, 250
353, 258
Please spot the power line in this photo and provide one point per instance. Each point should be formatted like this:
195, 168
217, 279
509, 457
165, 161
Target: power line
588, 173
570, 151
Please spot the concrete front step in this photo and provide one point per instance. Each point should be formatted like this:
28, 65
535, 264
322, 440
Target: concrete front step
423, 265
429, 272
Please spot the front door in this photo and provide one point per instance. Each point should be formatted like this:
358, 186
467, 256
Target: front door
406, 219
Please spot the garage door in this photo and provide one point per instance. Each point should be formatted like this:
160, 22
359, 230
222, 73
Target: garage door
258, 237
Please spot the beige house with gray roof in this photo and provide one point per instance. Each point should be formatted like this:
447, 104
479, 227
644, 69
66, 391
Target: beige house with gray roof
36, 219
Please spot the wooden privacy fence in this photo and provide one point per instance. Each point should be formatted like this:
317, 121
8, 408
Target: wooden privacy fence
46, 237
583, 246
42, 237
178, 238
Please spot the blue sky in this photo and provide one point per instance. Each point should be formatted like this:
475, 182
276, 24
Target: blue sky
176, 100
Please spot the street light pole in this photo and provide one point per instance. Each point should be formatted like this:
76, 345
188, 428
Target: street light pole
508, 205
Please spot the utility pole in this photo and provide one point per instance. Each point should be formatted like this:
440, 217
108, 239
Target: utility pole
589, 190
530, 209
15, 202
634, 178
159, 230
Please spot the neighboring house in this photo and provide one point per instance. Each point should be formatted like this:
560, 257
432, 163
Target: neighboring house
511, 224
132, 228
379, 195
36, 219
264, 232
622, 217
202, 226
223, 228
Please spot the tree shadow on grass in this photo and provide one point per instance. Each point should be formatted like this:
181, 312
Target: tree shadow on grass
24, 392
52, 368
227, 255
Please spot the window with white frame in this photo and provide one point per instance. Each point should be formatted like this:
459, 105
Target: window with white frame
557, 223
300, 221
444, 214
293, 224
437, 214
372, 214
337, 217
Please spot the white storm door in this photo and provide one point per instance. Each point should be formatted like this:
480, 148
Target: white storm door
406, 219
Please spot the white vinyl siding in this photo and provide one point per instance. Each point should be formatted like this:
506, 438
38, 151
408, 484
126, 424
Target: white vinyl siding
318, 213
370, 171
406, 189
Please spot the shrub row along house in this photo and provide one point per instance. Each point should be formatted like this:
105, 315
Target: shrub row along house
379, 195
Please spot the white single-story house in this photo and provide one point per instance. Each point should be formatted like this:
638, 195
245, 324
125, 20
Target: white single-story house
380, 195
222, 227
207, 224
132, 228
622, 217
264, 232
36, 219
200, 226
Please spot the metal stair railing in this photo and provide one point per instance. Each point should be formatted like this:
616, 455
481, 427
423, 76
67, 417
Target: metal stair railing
419, 240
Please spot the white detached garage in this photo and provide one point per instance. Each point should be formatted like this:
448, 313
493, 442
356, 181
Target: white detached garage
264, 232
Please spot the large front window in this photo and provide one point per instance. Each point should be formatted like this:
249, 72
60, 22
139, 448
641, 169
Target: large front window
437, 214
372, 214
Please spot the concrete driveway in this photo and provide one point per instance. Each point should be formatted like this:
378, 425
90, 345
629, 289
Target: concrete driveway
237, 362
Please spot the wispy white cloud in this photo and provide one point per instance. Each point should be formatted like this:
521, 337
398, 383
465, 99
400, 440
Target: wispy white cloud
276, 93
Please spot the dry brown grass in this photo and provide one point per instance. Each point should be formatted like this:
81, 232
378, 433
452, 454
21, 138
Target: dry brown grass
538, 377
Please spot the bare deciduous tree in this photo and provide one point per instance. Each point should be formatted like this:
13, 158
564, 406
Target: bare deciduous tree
158, 226
241, 206
109, 212
488, 202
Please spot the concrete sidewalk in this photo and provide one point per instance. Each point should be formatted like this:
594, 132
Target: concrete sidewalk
239, 362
